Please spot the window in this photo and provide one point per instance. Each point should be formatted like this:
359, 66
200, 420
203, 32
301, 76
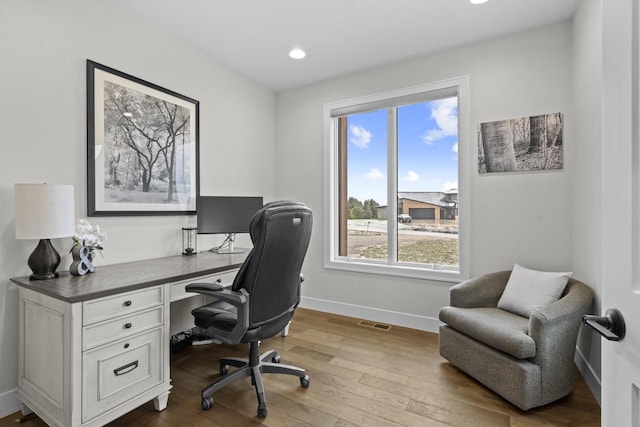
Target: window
396, 192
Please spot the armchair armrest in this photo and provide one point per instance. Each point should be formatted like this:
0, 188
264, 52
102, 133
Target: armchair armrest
482, 291
561, 320
237, 299
554, 328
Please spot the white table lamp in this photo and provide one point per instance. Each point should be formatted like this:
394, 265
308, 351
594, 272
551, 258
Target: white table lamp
44, 211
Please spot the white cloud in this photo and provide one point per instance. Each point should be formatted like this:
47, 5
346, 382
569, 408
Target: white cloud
455, 147
450, 185
374, 174
445, 114
411, 176
360, 137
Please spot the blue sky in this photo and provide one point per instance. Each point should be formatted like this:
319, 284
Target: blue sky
427, 150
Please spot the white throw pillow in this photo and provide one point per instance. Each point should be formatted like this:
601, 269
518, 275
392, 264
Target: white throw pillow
530, 290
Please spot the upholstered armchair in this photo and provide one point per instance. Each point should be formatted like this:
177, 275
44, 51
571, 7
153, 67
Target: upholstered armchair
526, 360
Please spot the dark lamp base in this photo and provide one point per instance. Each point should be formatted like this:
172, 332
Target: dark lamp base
43, 261
44, 276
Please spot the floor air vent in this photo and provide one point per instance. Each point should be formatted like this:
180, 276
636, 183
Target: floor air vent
374, 325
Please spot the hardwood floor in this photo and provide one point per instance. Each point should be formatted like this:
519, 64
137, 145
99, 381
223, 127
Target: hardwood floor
360, 376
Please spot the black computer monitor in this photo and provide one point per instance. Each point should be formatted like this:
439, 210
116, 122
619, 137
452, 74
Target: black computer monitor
226, 215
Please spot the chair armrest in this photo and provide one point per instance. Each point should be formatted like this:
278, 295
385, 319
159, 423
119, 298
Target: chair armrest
554, 328
216, 290
482, 291
204, 287
238, 299
196, 287
561, 319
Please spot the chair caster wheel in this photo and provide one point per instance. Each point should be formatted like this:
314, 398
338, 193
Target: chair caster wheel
262, 410
275, 359
207, 403
304, 381
224, 370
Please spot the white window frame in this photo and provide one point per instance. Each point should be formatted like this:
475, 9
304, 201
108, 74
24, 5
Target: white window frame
420, 93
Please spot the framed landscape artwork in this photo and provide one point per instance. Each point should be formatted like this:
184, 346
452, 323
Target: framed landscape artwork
142, 146
524, 144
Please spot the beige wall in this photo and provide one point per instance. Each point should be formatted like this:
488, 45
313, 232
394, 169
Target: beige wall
544, 220
586, 179
44, 45
521, 75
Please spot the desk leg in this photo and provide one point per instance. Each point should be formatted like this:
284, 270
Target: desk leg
24, 409
285, 331
160, 402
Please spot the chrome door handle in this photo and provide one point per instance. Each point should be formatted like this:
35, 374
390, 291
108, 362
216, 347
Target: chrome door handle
611, 325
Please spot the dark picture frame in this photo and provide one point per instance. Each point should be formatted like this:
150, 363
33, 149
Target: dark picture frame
142, 146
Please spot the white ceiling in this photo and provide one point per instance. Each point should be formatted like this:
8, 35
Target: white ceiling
339, 36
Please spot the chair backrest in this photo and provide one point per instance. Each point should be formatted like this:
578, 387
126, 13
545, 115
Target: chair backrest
280, 233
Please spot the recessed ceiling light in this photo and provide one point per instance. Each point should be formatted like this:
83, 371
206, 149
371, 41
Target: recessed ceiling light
297, 53
478, 1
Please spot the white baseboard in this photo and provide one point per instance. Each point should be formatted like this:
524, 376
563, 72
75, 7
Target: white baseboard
9, 403
413, 321
590, 377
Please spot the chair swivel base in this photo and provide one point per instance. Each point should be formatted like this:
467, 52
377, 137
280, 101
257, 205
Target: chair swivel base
253, 367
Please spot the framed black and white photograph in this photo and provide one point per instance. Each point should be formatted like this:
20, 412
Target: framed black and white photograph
142, 146
524, 144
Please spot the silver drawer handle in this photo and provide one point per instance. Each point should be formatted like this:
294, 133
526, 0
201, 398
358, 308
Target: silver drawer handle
126, 368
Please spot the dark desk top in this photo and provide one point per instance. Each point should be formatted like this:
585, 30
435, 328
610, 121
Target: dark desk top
117, 278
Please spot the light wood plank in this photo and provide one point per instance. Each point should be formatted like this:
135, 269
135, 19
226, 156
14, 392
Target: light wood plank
360, 377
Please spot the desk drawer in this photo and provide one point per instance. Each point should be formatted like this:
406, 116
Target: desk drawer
109, 307
177, 288
110, 330
118, 372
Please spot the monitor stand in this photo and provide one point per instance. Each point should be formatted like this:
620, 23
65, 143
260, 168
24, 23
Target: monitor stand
230, 249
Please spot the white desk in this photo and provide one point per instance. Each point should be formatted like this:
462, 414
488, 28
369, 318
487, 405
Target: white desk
94, 347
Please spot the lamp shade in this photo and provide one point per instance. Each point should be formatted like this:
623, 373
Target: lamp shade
44, 211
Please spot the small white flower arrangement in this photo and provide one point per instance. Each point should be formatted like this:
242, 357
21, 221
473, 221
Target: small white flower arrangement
89, 235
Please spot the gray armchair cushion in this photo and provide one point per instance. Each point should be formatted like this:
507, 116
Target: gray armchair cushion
494, 327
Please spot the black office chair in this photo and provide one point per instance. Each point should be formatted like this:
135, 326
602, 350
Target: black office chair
262, 299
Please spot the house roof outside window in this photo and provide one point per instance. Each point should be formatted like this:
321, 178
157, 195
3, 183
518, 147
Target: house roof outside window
446, 199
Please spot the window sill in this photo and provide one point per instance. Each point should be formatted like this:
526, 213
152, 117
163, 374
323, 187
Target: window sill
399, 270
